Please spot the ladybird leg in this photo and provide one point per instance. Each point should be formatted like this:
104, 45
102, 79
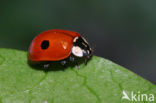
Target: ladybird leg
64, 62
46, 65
77, 66
72, 59
85, 61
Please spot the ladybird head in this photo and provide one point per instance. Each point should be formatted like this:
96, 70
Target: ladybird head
81, 48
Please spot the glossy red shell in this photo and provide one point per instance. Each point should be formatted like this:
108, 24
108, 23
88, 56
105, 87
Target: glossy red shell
60, 45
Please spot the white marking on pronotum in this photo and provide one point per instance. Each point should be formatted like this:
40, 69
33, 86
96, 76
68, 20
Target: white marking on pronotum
75, 39
88, 51
84, 44
85, 40
77, 51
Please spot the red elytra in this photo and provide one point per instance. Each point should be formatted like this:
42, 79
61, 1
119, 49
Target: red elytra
58, 44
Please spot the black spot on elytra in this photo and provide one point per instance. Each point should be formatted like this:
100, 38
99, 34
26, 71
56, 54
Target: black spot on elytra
45, 44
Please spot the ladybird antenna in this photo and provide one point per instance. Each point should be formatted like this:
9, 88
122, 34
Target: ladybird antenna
93, 46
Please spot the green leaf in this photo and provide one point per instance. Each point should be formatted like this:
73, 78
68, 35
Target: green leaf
101, 81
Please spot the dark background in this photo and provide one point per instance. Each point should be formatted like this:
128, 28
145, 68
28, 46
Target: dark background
123, 31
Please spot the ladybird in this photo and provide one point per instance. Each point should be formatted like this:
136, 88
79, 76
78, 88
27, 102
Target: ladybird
59, 45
